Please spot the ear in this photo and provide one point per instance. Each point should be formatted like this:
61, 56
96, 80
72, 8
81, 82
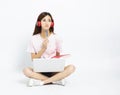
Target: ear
52, 24
38, 23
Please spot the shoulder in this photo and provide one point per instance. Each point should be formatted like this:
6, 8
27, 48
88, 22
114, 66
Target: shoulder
35, 36
56, 36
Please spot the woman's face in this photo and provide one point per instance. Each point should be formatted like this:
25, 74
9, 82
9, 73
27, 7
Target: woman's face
46, 22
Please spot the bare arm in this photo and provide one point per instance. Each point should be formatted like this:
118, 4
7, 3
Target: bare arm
43, 48
38, 55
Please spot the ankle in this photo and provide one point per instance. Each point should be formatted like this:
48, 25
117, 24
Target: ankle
46, 82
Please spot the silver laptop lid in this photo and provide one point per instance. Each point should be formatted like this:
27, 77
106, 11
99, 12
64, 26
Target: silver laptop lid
48, 65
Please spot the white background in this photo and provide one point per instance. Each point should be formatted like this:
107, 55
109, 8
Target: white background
90, 30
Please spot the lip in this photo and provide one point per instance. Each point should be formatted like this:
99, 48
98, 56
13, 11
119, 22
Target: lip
46, 25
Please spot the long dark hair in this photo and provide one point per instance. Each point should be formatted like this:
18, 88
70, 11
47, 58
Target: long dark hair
37, 29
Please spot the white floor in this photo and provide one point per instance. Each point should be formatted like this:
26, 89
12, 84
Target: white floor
92, 86
85, 81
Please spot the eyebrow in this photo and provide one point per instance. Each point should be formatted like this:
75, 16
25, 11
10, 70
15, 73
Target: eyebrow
47, 19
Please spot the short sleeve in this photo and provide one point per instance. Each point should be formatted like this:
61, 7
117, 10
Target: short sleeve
58, 44
30, 47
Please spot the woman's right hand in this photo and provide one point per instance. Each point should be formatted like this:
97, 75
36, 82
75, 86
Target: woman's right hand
44, 44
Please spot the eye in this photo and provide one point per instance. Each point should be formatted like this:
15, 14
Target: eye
44, 20
49, 20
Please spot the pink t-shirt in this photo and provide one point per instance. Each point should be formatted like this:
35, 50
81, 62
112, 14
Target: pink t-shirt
53, 46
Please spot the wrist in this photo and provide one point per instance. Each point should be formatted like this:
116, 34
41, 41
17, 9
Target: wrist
43, 49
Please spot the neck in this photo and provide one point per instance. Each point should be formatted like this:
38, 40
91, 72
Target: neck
45, 33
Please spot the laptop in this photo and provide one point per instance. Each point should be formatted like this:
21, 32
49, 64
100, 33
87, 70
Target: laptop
48, 65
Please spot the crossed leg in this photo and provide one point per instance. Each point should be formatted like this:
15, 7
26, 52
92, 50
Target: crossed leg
58, 76
31, 74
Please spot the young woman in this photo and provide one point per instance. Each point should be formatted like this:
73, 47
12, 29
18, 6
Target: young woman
45, 44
